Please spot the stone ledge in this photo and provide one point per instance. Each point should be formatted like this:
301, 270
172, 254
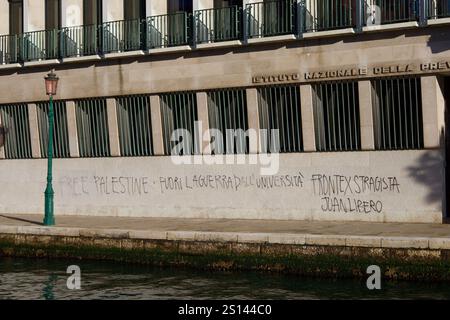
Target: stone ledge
363, 241
125, 54
439, 21
10, 66
405, 242
40, 63
328, 33
439, 243
253, 237
82, 59
216, 236
283, 238
325, 240
214, 45
237, 237
289, 37
143, 235
176, 49
391, 26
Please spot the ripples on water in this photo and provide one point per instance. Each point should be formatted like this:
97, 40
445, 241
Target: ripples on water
43, 279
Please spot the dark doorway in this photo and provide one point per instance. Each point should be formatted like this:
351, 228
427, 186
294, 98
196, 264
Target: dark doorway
447, 146
92, 12
134, 9
179, 6
52, 14
15, 17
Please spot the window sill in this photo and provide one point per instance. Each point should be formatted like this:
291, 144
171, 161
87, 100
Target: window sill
392, 26
184, 48
272, 39
10, 66
438, 21
41, 63
328, 33
126, 54
81, 59
223, 44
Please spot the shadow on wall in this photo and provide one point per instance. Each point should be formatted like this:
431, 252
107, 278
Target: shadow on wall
438, 41
3, 132
429, 171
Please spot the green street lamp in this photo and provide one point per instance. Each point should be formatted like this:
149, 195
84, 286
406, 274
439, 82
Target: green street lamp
51, 84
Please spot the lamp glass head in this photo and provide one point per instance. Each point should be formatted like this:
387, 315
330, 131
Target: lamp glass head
51, 84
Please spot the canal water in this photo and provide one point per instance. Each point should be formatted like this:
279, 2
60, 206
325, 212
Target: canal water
47, 279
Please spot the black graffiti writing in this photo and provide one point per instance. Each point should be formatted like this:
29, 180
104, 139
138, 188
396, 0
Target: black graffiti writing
78, 186
350, 205
339, 185
283, 181
121, 185
230, 182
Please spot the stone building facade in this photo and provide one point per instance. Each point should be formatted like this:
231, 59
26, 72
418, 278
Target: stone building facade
347, 100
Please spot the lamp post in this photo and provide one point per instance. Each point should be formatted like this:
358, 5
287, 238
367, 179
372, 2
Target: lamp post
51, 84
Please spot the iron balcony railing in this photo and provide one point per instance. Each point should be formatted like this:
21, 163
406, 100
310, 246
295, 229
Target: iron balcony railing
39, 45
438, 9
390, 11
168, 30
123, 35
328, 14
271, 18
261, 19
79, 41
9, 49
221, 24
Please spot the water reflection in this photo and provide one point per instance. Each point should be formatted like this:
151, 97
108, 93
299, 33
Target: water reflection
42, 279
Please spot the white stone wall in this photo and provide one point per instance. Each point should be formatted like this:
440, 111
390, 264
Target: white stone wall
72, 13
156, 7
112, 10
404, 186
33, 15
4, 17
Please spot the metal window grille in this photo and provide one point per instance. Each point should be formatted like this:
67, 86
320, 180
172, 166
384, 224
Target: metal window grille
14, 119
438, 9
61, 134
390, 11
179, 112
329, 14
271, 18
218, 24
92, 128
280, 119
135, 132
228, 115
397, 112
336, 116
